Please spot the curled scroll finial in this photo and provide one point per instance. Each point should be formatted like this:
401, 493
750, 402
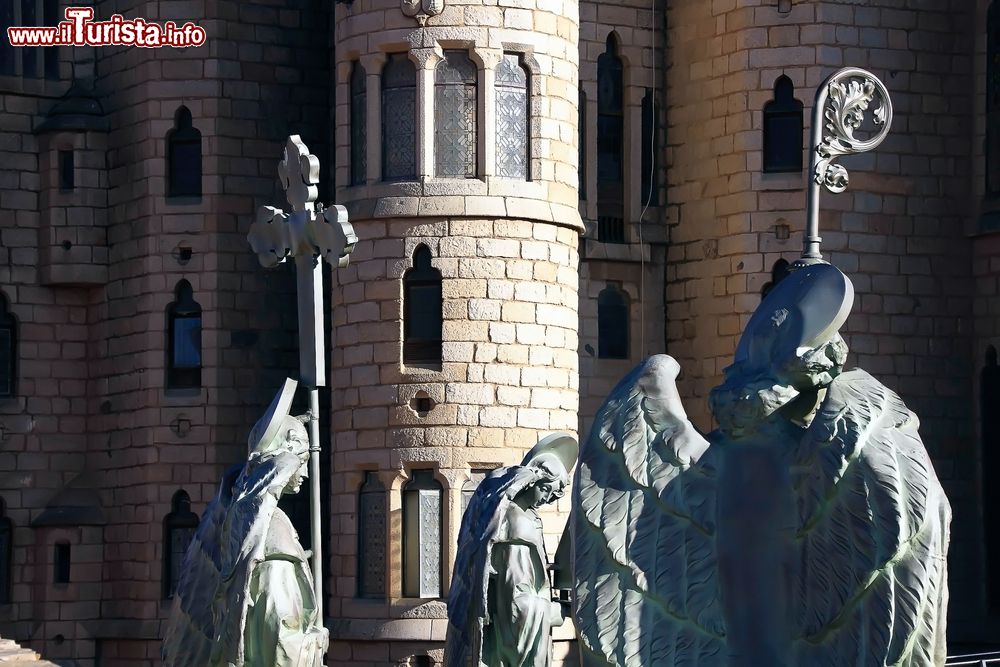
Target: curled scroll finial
842, 102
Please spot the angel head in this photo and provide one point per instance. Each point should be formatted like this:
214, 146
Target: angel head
546, 470
279, 434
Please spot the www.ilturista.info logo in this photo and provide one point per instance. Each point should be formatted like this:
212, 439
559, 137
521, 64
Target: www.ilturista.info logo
80, 30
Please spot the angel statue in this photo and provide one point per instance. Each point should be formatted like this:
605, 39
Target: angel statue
808, 530
245, 595
501, 607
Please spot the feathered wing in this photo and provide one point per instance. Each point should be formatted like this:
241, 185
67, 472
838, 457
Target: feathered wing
467, 611
191, 630
872, 537
644, 560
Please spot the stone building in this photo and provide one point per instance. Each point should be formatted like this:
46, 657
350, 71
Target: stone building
545, 191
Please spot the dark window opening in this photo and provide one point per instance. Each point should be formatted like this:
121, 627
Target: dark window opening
455, 116
612, 324
29, 55
422, 311
399, 119
610, 145
422, 518
582, 139
783, 129
650, 186
359, 125
371, 537
6, 48
8, 351
6, 554
993, 100
62, 563
50, 54
67, 175
989, 408
184, 339
179, 527
183, 157
512, 150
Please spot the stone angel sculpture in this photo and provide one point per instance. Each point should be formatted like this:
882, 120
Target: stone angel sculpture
245, 595
500, 607
809, 529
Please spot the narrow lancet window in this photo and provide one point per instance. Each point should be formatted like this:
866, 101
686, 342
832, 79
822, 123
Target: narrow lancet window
783, 129
612, 324
650, 187
455, 81
371, 538
183, 157
512, 118
179, 527
422, 311
399, 119
184, 339
610, 145
993, 100
422, 509
8, 351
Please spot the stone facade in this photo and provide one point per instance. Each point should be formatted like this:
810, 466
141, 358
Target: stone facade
94, 446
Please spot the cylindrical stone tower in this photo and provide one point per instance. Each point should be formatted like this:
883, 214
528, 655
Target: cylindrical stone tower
455, 326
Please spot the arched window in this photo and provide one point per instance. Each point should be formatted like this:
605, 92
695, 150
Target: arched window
650, 186
184, 339
610, 145
455, 116
399, 118
359, 125
993, 100
612, 324
8, 351
183, 157
581, 167
783, 129
422, 536
6, 554
179, 527
371, 538
422, 310
512, 118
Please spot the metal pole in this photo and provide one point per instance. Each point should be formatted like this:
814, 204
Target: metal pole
314, 507
810, 250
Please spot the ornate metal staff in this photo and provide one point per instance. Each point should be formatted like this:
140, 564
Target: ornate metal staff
307, 235
839, 110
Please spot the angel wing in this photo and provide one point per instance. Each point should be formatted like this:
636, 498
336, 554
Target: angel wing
190, 631
873, 534
643, 531
467, 612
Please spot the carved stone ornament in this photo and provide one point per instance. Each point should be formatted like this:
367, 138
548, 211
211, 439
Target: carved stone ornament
422, 9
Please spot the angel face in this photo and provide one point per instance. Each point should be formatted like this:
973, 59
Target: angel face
297, 440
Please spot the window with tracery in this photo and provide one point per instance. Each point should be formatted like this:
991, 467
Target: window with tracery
512, 118
183, 339
993, 100
422, 310
455, 81
783, 129
183, 157
399, 119
8, 350
422, 514
359, 125
612, 324
371, 537
610, 145
179, 527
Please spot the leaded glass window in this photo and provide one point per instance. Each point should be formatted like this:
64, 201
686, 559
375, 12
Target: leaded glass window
8, 351
422, 536
612, 323
993, 101
455, 116
650, 150
371, 538
183, 157
179, 527
783, 129
422, 311
399, 119
359, 125
183, 339
610, 145
6, 554
512, 118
